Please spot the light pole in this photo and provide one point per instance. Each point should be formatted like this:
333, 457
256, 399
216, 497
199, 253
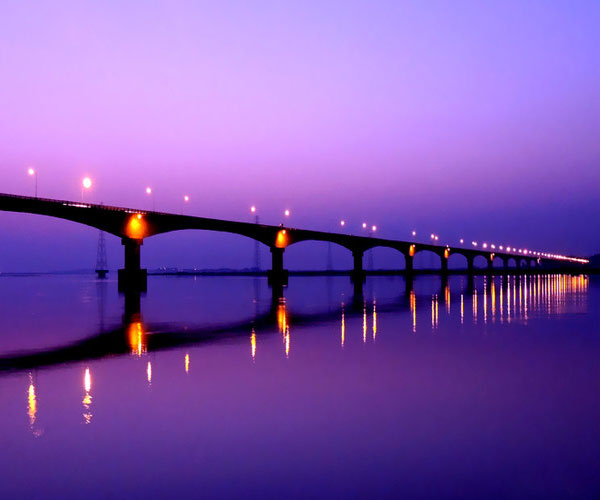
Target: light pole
150, 193
256, 244
32, 173
86, 184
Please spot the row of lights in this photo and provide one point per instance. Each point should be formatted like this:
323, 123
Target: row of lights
87, 184
435, 237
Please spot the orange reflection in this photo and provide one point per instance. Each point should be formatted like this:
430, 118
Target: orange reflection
187, 363
493, 294
137, 339
364, 323
434, 311
413, 310
412, 250
374, 320
484, 302
287, 343
253, 344
149, 372
31, 403
343, 326
282, 320
87, 398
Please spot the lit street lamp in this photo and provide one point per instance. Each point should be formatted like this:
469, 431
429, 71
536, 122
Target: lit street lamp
86, 185
150, 193
32, 173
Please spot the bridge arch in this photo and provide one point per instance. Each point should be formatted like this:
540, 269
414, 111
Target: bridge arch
204, 249
317, 255
426, 259
384, 257
480, 262
458, 260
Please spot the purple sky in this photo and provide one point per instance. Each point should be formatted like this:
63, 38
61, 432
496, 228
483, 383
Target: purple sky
463, 119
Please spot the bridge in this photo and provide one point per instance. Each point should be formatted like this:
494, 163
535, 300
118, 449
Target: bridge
133, 226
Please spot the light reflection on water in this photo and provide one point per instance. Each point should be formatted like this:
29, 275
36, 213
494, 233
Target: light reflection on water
321, 369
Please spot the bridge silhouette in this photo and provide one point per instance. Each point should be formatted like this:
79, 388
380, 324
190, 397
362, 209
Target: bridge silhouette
133, 226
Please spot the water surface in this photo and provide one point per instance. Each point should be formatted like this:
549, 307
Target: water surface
210, 386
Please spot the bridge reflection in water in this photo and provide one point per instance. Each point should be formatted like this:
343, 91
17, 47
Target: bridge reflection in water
484, 301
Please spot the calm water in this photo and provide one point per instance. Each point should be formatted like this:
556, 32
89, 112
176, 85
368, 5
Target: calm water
210, 388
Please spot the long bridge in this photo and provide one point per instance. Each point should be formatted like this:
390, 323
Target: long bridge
133, 226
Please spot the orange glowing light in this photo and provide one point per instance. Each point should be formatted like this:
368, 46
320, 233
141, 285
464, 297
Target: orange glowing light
136, 227
446, 253
411, 251
282, 239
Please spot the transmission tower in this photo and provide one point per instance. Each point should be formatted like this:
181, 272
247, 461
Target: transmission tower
101, 266
329, 257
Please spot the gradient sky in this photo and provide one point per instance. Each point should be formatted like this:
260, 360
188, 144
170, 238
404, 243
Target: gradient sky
462, 118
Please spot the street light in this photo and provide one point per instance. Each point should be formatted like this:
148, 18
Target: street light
150, 193
373, 228
86, 184
342, 223
414, 233
364, 225
462, 241
186, 199
286, 213
32, 173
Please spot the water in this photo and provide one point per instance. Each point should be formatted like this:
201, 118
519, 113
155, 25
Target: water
209, 387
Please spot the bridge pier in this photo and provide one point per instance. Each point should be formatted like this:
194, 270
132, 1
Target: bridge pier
444, 260
132, 276
277, 275
470, 265
358, 274
409, 267
490, 265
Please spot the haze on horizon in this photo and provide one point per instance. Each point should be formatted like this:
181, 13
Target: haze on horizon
462, 119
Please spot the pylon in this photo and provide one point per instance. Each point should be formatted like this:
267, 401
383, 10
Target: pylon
101, 265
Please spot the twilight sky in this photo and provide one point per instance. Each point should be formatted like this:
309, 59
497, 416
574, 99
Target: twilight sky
468, 119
